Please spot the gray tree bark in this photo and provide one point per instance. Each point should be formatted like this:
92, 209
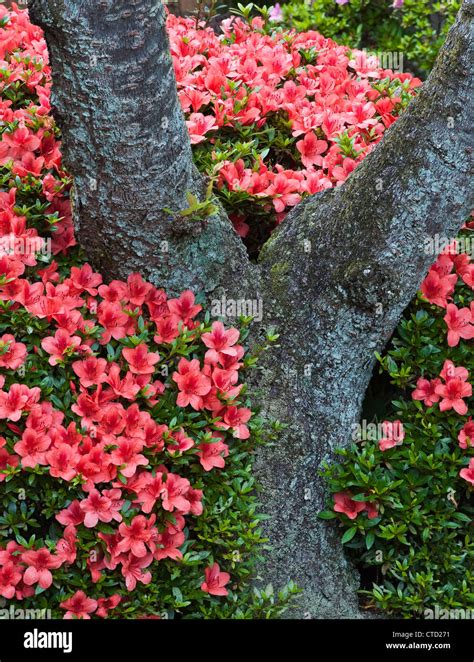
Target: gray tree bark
333, 279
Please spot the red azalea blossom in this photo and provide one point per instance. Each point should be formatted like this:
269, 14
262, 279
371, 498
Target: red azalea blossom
133, 570
140, 360
79, 606
10, 576
343, 503
12, 353
393, 435
215, 581
426, 391
468, 473
452, 395
98, 507
437, 288
466, 435
459, 323
39, 564
137, 536
213, 454
191, 383
60, 346
107, 604
90, 371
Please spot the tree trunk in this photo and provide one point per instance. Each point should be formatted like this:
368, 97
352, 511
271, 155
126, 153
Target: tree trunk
334, 278
126, 143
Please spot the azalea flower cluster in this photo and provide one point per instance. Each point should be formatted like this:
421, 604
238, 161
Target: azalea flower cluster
451, 389
111, 445
407, 491
111, 441
276, 115
438, 288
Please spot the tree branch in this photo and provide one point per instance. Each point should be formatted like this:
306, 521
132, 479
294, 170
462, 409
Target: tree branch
413, 185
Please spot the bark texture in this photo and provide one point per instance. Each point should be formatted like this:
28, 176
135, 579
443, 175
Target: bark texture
126, 143
334, 278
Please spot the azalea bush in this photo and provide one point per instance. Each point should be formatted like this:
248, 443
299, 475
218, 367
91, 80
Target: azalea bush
275, 116
126, 434
117, 409
403, 492
415, 28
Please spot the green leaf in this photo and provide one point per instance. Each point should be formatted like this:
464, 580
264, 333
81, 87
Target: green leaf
327, 514
349, 534
369, 539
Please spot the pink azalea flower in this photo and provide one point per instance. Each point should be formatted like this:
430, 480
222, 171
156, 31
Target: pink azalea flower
79, 606
62, 461
111, 316
466, 435
133, 570
10, 576
220, 339
372, 510
179, 442
452, 394
426, 391
12, 354
311, 149
236, 419
40, 563
140, 360
6, 460
125, 388
19, 398
168, 543
107, 604
32, 448
97, 507
66, 546
60, 345
468, 472
91, 371
151, 493
167, 329
137, 536
215, 581
436, 288
192, 384
138, 290
184, 307
195, 499
198, 125
213, 454
72, 515
128, 456
459, 323
85, 280
450, 371
394, 435
343, 503
174, 493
